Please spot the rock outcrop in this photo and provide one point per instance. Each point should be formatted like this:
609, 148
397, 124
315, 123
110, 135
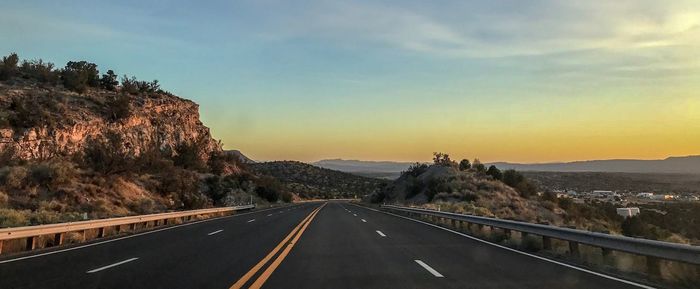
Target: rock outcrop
61, 121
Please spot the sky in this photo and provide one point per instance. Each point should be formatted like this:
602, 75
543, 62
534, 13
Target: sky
509, 80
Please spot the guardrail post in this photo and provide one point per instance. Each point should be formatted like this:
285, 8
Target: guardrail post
31, 243
100, 232
1, 241
607, 256
506, 232
573, 249
546, 243
165, 222
58, 239
453, 223
132, 227
117, 229
653, 267
83, 236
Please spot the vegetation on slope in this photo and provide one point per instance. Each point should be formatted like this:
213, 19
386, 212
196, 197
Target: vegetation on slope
309, 181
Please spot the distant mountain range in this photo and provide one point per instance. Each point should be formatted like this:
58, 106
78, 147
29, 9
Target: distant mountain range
685, 165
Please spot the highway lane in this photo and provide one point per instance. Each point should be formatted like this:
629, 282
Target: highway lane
337, 245
183, 257
339, 250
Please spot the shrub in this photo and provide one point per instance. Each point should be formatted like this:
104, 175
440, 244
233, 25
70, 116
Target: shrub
142, 206
531, 244
107, 156
25, 114
14, 177
52, 174
191, 155
129, 85
80, 75
478, 166
13, 218
4, 198
494, 172
417, 169
118, 107
464, 165
8, 67
39, 70
109, 80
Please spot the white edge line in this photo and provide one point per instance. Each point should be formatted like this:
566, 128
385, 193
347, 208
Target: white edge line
110, 266
215, 232
127, 237
430, 269
380, 233
519, 252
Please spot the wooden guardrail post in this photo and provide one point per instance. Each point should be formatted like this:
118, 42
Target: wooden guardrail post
573, 249
58, 239
31, 243
546, 243
100, 232
132, 227
1, 242
653, 267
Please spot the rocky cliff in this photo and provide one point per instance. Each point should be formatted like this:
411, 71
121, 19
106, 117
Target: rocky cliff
39, 121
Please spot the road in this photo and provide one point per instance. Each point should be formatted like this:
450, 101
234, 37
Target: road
312, 245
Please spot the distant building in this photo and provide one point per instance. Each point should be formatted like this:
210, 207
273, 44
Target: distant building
628, 212
645, 195
662, 197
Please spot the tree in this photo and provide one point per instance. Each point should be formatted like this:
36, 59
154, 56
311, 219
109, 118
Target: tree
633, 227
8, 68
39, 70
109, 80
442, 159
480, 168
80, 75
464, 165
494, 172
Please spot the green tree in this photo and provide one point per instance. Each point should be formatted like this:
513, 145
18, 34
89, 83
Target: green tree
109, 80
80, 75
39, 70
8, 67
494, 172
118, 107
464, 165
480, 168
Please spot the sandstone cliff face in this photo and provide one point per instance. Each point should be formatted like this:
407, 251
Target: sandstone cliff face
66, 120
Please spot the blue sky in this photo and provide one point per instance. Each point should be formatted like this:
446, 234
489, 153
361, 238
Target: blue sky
501, 80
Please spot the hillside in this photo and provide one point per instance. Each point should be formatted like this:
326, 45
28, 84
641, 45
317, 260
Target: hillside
74, 144
309, 181
676, 165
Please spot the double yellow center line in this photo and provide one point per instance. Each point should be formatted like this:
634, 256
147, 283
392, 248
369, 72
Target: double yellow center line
294, 235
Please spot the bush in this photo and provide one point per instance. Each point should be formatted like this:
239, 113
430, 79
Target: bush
464, 165
191, 155
8, 67
106, 156
417, 169
13, 218
129, 85
4, 198
118, 107
478, 166
25, 114
39, 70
80, 75
494, 172
142, 206
442, 159
14, 177
52, 174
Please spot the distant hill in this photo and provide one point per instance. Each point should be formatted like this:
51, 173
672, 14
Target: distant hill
681, 165
309, 181
373, 169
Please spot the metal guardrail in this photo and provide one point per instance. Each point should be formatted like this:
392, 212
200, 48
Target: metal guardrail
59, 230
649, 248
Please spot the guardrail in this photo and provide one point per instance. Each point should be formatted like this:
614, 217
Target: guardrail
32, 233
652, 250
